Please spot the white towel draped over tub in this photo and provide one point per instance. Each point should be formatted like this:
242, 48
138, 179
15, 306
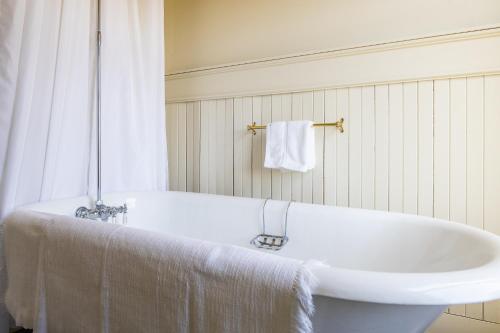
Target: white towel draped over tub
69, 275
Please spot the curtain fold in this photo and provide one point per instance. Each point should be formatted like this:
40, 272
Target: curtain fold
133, 92
47, 103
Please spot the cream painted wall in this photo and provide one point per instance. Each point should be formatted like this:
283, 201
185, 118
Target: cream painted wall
449, 85
202, 33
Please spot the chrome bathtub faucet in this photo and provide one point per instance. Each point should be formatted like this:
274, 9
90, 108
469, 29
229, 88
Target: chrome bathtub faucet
101, 212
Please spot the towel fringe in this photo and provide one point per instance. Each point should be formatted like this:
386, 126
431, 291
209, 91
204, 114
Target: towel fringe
303, 284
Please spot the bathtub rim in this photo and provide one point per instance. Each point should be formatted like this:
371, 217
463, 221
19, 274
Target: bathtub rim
434, 288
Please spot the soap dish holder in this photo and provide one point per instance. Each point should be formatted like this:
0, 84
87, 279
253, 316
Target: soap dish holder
269, 242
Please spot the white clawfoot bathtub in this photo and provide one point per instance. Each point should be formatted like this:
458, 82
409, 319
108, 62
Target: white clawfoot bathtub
379, 272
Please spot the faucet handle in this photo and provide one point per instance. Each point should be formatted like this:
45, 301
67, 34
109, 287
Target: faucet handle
82, 212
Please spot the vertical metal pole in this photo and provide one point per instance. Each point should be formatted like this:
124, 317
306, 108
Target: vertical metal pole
98, 97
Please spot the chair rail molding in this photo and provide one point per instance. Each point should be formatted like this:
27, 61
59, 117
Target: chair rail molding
463, 54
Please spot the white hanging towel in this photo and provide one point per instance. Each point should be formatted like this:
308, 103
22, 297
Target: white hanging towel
290, 146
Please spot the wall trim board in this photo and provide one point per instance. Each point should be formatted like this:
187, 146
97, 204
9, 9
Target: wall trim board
480, 32
340, 86
458, 324
455, 55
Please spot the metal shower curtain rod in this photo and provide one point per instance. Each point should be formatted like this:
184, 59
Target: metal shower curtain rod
100, 211
98, 98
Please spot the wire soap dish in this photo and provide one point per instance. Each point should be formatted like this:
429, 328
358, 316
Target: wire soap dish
268, 241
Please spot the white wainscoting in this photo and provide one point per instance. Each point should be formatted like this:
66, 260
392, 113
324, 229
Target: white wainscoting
421, 146
426, 147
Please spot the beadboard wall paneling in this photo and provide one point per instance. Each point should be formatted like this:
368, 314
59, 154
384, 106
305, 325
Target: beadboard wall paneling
427, 147
491, 174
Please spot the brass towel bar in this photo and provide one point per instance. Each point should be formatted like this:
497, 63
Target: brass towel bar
339, 124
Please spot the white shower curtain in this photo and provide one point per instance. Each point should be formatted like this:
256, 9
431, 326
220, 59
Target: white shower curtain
47, 103
133, 100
